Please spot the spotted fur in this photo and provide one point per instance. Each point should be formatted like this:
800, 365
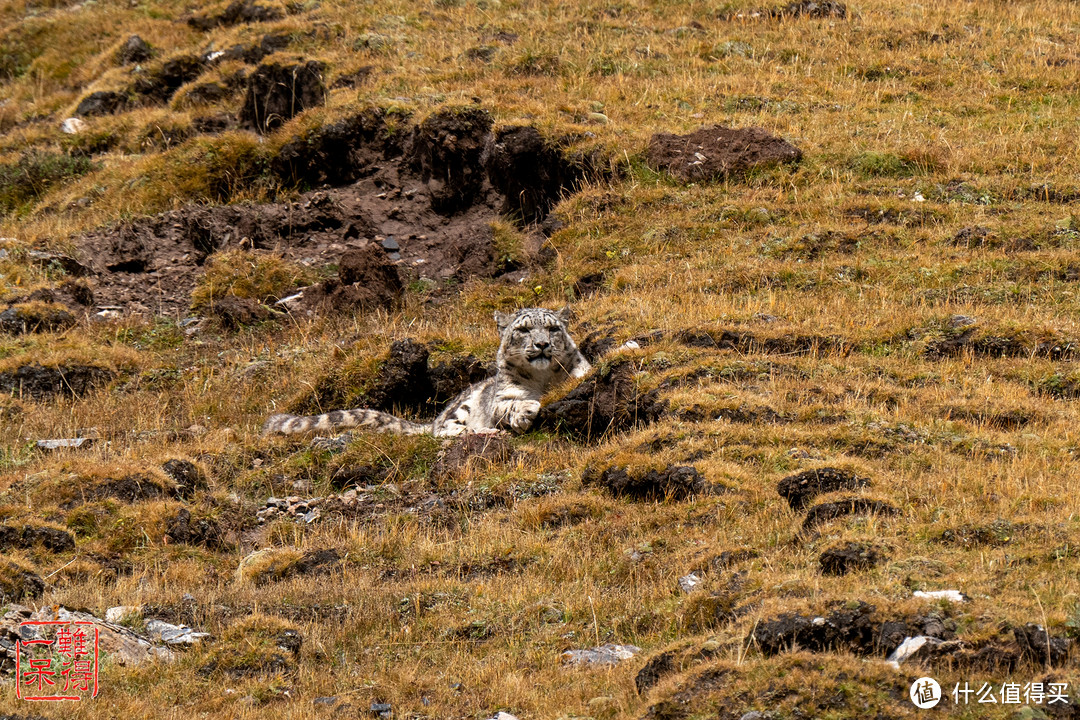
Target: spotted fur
535, 353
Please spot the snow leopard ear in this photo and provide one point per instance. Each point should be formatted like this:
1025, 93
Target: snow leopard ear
502, 320
565, 315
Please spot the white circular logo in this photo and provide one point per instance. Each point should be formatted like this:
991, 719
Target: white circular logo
925, 693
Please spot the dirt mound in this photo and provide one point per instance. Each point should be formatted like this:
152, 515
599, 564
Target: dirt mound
182, 528
528, 171
239, 11
801, 488
424, 195
278, 92
102, 102
135, 50
718, 152
675, 482
36, 317
367, 279
607, 401
158, 85
850, 557
18, 583
404, 381
445, 150
28, 536
748, 342
188, 477
472, 451
847, 506
40, 383
342, 152
996, 534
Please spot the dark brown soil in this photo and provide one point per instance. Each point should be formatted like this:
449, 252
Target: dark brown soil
17, 584
748, 342
996, 534
607, 401
445, 151
850, 557
20, 319
182, 528
40, 383
675, 482
472, 452
28, 536
718, 152
424, 196
188, 477
801, 488
278, 92
134, 51
367, 279
239, 11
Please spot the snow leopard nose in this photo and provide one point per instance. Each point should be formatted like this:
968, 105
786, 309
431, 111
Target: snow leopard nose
541, 344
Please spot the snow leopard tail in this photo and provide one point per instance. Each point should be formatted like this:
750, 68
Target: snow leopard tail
338, 419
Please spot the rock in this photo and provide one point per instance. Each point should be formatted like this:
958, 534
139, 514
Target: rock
72, 126
102, 102
18, 582
607, 401
718, 152
503, 716
954, 596
801, 488
689, 583
134, 51
603, 655
64, 444
40, 383
446, 149
119, 613
382, 710
277, 92
675, 482
852, 556
174, 635
325, 700
122, 645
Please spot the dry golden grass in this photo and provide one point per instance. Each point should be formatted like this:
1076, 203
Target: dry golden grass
466, 616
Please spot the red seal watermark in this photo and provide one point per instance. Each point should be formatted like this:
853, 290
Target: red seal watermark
56, 660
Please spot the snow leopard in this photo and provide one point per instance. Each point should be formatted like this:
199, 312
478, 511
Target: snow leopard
535, 353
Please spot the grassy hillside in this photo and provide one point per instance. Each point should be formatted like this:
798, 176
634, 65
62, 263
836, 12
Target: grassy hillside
899, 306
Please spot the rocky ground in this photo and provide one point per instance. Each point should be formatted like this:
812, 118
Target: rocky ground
838, 458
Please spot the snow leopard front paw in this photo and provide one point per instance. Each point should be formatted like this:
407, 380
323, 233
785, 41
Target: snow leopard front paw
523, 414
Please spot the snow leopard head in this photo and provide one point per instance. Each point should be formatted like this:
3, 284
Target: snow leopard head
536, 340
